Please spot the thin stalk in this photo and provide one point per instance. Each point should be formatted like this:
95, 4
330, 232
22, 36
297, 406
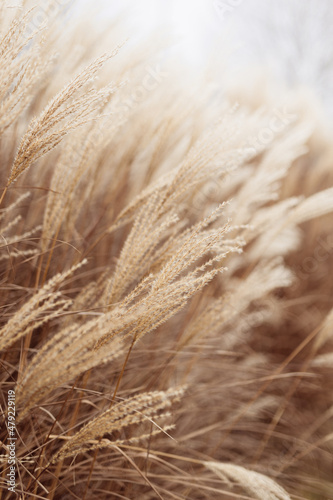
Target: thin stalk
3, 194
110, 406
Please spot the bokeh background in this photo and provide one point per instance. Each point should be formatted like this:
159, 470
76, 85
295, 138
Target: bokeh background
289, 40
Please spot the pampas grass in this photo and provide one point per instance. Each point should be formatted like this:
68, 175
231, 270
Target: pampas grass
166, 302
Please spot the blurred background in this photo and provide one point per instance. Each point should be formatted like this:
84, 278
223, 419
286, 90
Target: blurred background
290, 41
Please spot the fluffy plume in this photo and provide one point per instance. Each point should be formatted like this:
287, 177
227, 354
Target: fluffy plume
151, 241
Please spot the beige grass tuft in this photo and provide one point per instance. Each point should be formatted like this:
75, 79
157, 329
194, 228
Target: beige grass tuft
151, 241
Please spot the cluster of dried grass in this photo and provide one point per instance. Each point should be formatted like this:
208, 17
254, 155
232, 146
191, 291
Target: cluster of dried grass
165, 291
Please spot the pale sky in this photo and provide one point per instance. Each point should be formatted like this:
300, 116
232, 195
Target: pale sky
292, 38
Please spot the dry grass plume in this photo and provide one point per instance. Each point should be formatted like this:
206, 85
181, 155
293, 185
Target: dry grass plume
165, 272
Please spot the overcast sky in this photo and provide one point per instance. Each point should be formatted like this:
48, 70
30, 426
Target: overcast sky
291, 38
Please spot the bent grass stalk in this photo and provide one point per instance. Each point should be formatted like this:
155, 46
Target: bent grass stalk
183, 282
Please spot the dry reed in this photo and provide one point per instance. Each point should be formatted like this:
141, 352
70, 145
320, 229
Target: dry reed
166, 302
